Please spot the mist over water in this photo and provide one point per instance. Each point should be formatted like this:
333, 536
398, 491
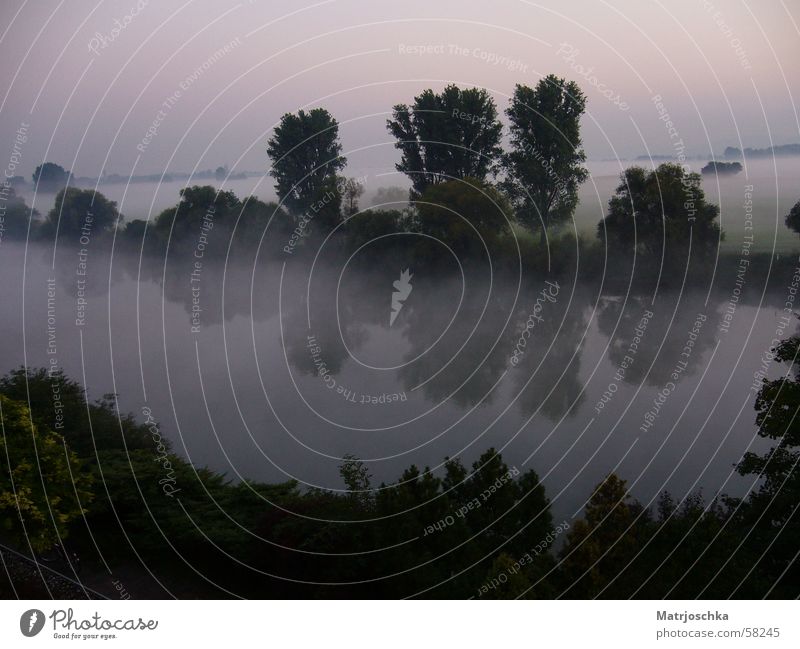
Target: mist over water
774, 182
441, 300
288, 363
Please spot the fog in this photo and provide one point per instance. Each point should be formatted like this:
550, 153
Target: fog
774, 182
291, 363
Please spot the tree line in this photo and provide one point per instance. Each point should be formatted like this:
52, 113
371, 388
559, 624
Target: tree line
485, 530
467, 190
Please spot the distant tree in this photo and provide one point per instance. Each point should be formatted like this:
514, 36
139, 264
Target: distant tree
544, 167
42, 485
50, 177
356, 478
352, 190
76, 208
15, 214
451, 135
651, 209
793, 218
306, 156
389, 198
221, 172
721, 168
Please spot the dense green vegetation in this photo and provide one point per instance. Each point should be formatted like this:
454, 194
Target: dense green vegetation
108, 484
661, 212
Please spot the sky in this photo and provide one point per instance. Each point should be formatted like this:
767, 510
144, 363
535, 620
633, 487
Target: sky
139, 87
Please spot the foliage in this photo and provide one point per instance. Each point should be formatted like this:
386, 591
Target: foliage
600, 546
199, 207
545, 164
721, 168
80, 212
43, 487
793, 218
206, 221
659, 209
468, 215
306, 156
484, 531
50, 177
451, 135
15, 215
84, 426
372, 224
352, 190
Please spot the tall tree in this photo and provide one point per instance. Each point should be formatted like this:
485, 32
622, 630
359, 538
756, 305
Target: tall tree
545, 164
306, 156
447, 136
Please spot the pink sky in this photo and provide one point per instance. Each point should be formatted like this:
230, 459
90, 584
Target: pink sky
725, 72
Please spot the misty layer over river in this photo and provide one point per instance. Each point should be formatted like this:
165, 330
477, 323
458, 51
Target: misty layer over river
276, 367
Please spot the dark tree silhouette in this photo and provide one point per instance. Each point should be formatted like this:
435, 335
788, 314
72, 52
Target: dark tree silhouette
50, 177
721, 168
352, 191
651, 209
793, 218
15, 214
81, 211
306, 156
199, 206
773, 507
545, 165
601, 545
445, 136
